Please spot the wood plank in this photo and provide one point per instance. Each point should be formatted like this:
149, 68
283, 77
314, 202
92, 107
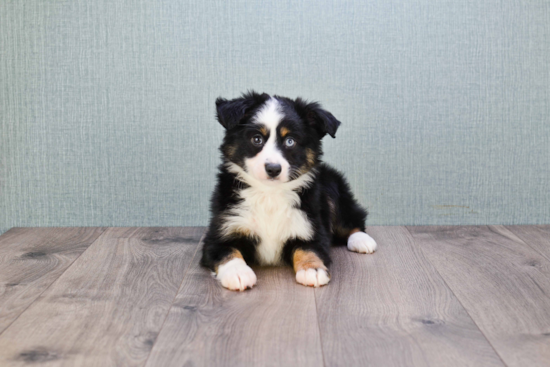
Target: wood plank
109, 306
536, 236
503, 284
393, 309
274, 324
31, 259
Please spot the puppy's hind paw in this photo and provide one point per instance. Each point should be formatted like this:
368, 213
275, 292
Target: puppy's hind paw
236, 275
362, 243
312, 277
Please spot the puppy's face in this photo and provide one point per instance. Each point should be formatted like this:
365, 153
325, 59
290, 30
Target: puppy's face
274, 139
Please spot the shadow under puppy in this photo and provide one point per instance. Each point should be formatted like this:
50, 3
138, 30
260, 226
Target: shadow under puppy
275, 202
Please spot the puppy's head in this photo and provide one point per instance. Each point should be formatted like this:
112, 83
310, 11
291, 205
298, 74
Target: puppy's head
274, 139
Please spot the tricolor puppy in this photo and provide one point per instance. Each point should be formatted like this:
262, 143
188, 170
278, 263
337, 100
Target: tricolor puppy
275, 201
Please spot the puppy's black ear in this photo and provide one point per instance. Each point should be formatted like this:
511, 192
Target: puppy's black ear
315, 116
229, 113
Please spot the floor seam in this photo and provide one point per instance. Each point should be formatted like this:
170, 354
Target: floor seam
174, 299
52, 283
526, 242
319, 327
455, 295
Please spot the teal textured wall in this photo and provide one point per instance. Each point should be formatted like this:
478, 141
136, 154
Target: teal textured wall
107, 107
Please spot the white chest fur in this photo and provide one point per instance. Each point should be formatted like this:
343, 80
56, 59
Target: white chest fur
272, 215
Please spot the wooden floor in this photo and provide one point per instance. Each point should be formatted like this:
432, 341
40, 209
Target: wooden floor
430, 296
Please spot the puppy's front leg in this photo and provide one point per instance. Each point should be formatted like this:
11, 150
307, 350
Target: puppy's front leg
225, 259
310, 269
234, 274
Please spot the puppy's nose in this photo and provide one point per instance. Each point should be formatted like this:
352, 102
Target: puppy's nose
273, 169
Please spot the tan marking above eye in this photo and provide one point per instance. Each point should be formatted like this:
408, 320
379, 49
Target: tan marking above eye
263, 130
284, 131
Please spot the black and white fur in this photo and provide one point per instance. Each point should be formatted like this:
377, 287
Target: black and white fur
274, 195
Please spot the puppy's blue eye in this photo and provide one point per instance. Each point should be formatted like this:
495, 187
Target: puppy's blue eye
257, 140
289, 142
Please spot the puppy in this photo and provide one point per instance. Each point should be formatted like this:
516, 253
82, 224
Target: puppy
275, 202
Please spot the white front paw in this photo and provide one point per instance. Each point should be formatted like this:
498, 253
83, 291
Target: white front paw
312, 277
236, 275
362, 243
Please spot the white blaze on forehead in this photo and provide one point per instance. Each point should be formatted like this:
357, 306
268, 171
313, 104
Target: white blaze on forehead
270, 116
